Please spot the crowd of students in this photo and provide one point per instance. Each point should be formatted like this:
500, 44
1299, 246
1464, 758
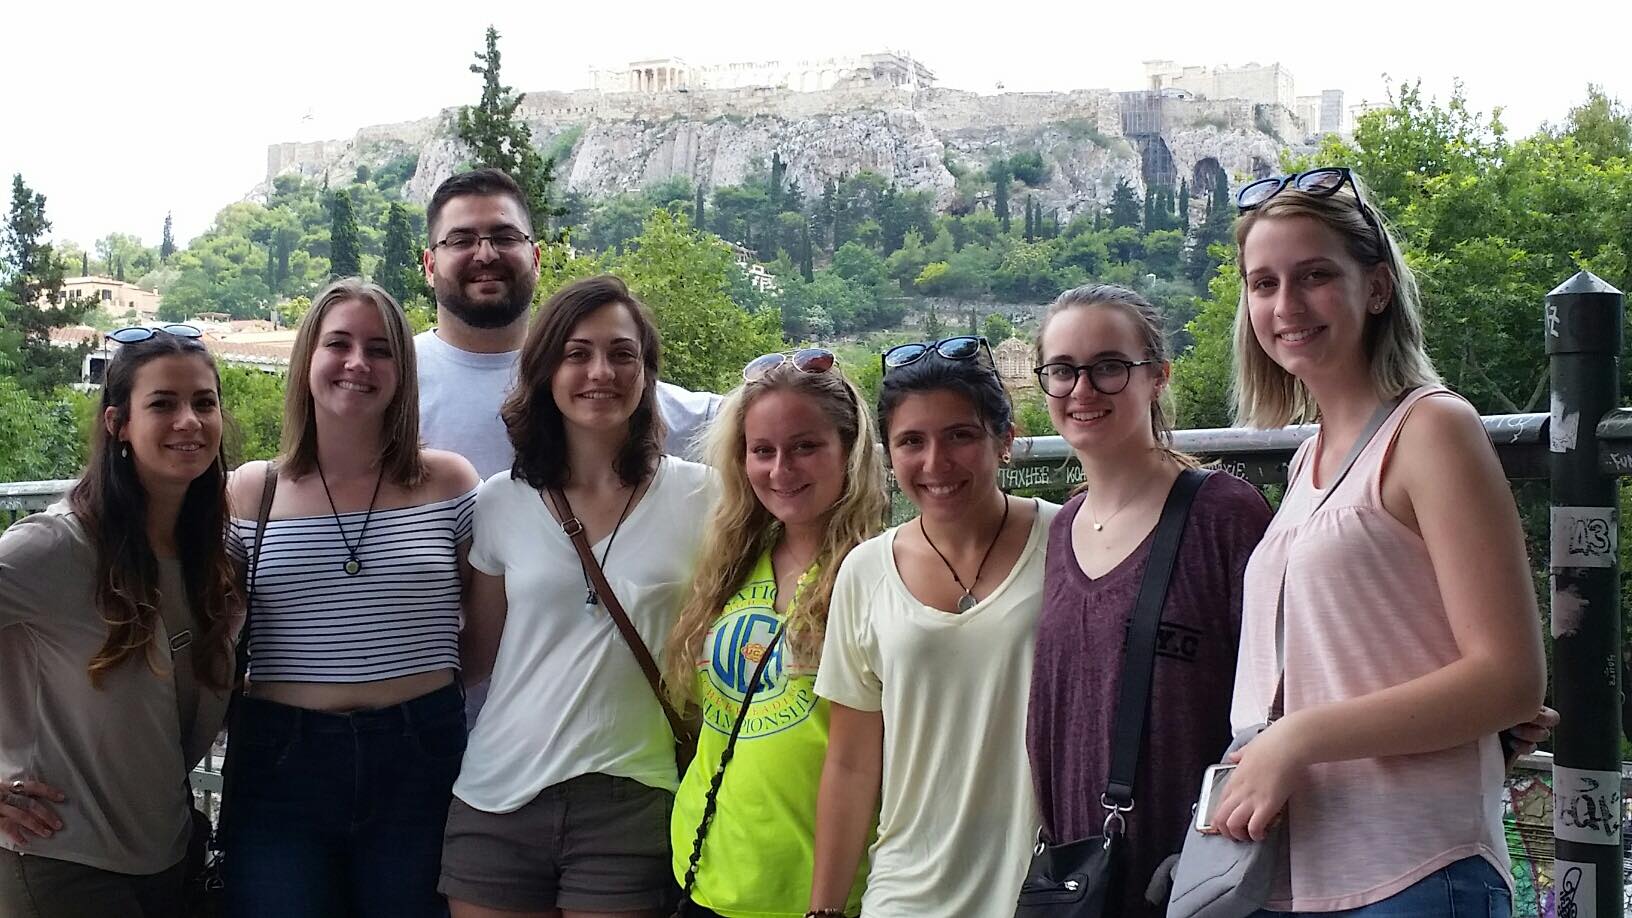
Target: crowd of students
889, 721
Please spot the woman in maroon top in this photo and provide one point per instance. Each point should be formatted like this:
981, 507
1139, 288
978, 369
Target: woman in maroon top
1103, 364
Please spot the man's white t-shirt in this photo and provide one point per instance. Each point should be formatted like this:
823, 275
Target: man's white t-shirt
460, 393
958, 814
566, 697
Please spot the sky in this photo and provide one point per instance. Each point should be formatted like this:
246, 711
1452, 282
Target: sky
122, 110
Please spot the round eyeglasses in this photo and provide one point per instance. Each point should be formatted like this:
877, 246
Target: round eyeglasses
1107, 376
962, 347
805, 360
135, 333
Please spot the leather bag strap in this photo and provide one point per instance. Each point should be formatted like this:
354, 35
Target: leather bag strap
1133, 700
574, 528
1277, 706
268, 490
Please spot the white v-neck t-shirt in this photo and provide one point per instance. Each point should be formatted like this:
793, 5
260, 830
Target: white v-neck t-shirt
958, 814
566, 697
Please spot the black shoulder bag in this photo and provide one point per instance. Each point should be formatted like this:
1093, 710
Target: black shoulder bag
684, 908
1084, 878
204, 885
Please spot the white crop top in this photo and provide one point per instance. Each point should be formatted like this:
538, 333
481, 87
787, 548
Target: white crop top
397, 616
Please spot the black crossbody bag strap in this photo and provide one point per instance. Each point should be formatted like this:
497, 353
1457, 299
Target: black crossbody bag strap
241, 650
719, 770
1133, 699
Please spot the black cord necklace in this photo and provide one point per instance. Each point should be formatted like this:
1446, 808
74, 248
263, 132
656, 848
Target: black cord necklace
352, 565
592, 599
967, 600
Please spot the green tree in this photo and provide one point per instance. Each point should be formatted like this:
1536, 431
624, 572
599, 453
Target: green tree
806, 259
999, 174
997, 328
345, 252
40, 436
255, 399
699, 209
499, 139
31, 287
400, 271
167, 242
1126, 209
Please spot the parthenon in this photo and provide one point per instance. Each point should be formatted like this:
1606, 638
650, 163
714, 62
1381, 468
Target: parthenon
672, 74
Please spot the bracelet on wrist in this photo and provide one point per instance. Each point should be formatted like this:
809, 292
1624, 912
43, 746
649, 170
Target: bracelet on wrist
825, 913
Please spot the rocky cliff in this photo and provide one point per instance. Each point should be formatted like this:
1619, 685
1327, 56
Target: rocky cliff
614, 142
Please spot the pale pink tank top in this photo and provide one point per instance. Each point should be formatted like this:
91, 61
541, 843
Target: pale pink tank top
1363, 613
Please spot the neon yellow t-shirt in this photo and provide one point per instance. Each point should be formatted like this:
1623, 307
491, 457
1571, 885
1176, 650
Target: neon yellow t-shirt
759, 852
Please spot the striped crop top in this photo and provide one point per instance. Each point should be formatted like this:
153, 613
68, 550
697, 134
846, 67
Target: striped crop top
397, 616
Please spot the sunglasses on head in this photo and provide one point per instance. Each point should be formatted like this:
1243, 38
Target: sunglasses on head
136, 333
962, 347
805, 360
1316, 183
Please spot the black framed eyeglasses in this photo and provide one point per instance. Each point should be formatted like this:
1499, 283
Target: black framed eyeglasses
962, 347
506, 242
1317, 183
136, 333
805, 360
1108, 375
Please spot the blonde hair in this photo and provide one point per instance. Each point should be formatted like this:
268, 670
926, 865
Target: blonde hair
1148, 322
400, 458
1267, 395
740, 529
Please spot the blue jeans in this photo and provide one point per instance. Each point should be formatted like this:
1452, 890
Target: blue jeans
340, 814
1469, 888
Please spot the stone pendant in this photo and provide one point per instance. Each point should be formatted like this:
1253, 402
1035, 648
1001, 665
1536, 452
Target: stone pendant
966, 602
1099, 527
353, 566
592, 602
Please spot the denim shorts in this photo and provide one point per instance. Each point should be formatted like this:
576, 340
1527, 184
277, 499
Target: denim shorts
595, 843
340, 814
1469, 888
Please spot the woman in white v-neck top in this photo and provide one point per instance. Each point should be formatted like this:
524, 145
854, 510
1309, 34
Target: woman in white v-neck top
927, 660
562, 803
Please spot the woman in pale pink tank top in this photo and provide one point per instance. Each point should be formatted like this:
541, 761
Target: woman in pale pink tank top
1410, 631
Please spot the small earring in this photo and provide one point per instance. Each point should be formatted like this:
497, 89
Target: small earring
124, 451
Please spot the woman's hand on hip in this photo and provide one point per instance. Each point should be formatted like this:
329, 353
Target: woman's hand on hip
24, 811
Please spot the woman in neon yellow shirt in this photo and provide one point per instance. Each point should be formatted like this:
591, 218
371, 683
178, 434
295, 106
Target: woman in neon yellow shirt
800, 486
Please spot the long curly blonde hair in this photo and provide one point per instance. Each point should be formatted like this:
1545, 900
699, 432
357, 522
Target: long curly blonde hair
740, 529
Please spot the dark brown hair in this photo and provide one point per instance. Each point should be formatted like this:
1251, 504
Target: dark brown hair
483, 182
530, 412
111, 506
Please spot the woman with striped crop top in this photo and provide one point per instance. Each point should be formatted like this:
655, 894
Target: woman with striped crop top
1392, 581
342, 756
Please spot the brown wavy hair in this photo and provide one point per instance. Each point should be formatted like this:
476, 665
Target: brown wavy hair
111, 506
400, 456
740, 529
530, 413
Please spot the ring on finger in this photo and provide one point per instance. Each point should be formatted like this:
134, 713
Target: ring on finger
19, 786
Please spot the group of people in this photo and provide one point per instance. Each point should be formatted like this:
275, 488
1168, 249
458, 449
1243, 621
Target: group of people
889, 720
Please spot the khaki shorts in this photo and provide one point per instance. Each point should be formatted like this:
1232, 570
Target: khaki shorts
592, 843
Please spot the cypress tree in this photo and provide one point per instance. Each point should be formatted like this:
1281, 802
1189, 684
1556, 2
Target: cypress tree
31, 279
1125, 206
398, 254
1000, 200
698, 208
1184, 205
84, 265
345, 251
499, 139
119, 270
807, 266
167, 242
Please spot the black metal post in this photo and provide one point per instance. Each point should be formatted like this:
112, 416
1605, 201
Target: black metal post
1583, 334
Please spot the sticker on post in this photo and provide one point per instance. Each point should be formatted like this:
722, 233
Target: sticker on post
1575, 889
1563, 427
1586, 806
1584, 537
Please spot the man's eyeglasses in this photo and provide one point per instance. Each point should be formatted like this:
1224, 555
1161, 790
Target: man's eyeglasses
136, 333
1107, 376
1317, 183
507, 242
962, 347
805, 360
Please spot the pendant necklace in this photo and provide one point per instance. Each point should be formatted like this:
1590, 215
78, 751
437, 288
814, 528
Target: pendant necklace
967, 601
352, 565
1099, 524
592, 599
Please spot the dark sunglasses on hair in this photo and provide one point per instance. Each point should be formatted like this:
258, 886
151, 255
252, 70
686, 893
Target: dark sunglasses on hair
135, 333
805, 360
1317, 183
962, 347
1107, 376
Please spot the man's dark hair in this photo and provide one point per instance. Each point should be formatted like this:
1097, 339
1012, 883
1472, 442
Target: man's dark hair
487, 182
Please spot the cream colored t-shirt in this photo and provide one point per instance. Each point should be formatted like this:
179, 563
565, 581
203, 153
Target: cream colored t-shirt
116, 752
957, 816
566, 697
